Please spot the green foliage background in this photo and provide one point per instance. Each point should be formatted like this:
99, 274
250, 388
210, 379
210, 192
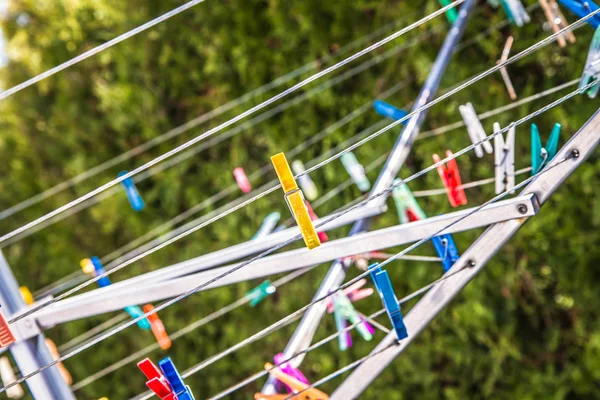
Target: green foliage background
527, 328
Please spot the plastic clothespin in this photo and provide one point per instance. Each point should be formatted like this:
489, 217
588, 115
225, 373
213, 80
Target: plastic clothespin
389, 111
26, 295
181, 390
540, 156
451, 13
290, 370
451, 179
294, 384
446, 250
344, 339
313, 216
582, 9
591, 71
386, 292
557, 21
475, 130
494, 3
504, 159
158, 328
156, 382
405, 201
306, 183
356, 171
55, 356
6, 335
516, 13
93, 266
268, 225
503, 72
257, 294
353, 293
136, 201
295, 201
242, 180
344, 305
7, 375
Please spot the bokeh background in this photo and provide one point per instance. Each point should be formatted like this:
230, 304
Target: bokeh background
526, 328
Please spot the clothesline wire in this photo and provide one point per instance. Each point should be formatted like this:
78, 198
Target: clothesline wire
229, 122
480, 76
195, 122
296, 237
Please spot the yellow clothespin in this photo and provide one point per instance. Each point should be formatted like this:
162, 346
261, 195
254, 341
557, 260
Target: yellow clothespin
295, 384
26, 295
295, 201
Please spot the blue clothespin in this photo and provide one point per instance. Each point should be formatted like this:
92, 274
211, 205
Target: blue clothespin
181, 390
542, 155
389, 111
136, 201
582, 9
515, 11
386, 292
446, 250
591, 70
94, 267
268, 225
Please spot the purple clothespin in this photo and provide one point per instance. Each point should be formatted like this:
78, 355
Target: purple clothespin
289, 370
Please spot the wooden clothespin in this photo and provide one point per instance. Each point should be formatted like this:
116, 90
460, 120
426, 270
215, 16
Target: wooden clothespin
295, 201
475, 130
7, 374
504, 159
61, 368
516, 13
503, 72
541, 156
296, 386
591, 70
557, 21
451, 180
158, 328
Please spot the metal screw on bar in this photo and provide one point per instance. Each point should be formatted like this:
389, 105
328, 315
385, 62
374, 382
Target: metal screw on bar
471, 263
522, 208
575, 153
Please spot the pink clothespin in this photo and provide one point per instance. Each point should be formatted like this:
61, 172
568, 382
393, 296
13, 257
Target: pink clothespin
353, 293
322, 235
451, 179
242, 180
288, 370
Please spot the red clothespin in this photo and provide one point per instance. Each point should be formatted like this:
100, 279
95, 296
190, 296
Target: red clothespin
313, 216
451, 179
296, 386
158, 328
6, 335
156, 380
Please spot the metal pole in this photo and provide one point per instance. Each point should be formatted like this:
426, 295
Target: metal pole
581, 145
30, 354
337, 272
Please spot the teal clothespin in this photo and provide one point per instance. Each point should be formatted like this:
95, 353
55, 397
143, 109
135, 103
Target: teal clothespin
542, 155
515, 11
268, 225
404, 200
260, 292
344, 305
344, 339
592, 66
451, 14
356, 171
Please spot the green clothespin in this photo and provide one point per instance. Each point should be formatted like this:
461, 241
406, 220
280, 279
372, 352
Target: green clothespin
451, 14
345, 307
405, 200
494, 3
260, 292
542, 155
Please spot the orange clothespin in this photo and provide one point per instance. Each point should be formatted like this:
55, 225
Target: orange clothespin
158, 328
295, 201
451, 179
296, 385
63, 371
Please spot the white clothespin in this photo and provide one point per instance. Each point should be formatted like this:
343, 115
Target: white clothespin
504, 157
516, 12
475, 129
7, 374
592, 66
504, 72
